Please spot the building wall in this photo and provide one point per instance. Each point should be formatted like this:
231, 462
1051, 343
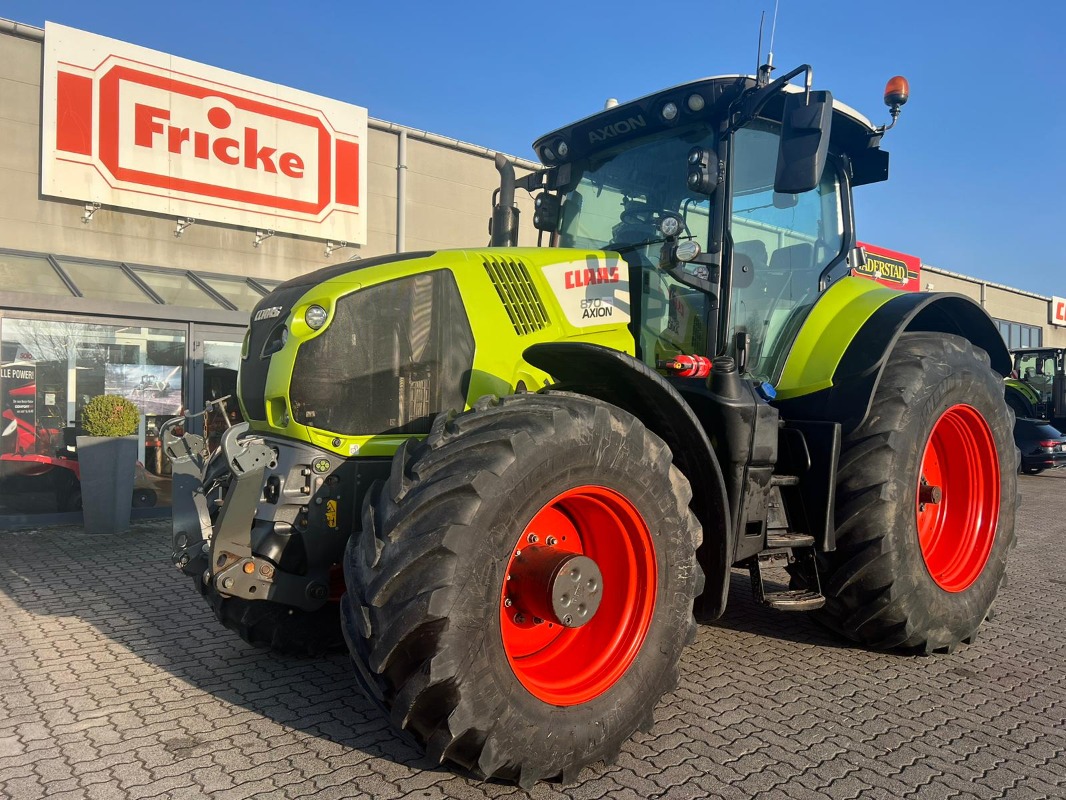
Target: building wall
449, 187
449, 190
1001, 302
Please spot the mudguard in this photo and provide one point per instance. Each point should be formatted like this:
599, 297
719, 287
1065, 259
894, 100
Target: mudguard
623, 381
1024, 390
836, 380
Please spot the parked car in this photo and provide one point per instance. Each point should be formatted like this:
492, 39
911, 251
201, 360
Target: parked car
1043, 447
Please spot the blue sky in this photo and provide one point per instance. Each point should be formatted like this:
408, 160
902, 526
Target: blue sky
978, 157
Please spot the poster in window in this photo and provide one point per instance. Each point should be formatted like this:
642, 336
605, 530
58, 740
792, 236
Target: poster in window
153, 388
18, 387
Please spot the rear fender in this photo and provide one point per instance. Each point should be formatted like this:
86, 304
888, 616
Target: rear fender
627, 383
846, 388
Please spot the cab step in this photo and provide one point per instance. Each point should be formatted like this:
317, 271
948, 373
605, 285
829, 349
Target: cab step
787, 549
784, 480
779, 541
793, 600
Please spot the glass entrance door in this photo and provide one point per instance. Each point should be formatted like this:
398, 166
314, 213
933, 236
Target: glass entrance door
217, 353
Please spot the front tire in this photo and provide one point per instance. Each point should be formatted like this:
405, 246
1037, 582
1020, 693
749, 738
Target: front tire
280, 628
283, 629
473, 664
925, 502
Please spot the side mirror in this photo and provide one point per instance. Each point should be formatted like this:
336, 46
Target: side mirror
804, 142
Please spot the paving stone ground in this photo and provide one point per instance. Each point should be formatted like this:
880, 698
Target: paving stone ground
116, 682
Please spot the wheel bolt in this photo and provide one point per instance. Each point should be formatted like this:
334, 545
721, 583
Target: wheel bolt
519, 618
227, 583
517, 553
551, 541
508, 603
532, 538
537, 620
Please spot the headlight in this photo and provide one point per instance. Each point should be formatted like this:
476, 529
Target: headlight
315, 317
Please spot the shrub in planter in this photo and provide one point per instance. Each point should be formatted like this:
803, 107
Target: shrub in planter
110, 415
107, 457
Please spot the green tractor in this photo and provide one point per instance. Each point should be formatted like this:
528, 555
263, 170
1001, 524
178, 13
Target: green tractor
1036, 388
505, 477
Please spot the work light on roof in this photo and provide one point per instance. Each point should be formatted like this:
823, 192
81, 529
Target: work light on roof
562, 148
695, 102
669, 112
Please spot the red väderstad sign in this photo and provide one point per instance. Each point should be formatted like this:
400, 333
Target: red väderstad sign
131, 127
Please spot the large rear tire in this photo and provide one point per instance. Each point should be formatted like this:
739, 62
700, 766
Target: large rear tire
451, 623
926, 496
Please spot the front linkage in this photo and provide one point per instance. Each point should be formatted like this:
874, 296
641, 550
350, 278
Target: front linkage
221, 499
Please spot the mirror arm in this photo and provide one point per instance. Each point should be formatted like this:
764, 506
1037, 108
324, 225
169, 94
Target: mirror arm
754, 102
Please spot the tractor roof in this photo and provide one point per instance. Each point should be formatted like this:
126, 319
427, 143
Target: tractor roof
640, 117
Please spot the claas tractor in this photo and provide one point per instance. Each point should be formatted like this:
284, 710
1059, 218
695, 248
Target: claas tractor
505, 478
1036, 387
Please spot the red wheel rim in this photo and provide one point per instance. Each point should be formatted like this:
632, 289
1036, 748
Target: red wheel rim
957, 524
566, 666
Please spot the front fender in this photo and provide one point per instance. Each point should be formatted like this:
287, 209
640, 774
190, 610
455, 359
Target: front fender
623, 381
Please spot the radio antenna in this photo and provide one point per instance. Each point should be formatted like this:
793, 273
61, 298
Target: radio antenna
765, 70
758, 56
773, 30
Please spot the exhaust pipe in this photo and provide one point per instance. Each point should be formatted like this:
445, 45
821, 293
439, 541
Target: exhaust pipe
503, 229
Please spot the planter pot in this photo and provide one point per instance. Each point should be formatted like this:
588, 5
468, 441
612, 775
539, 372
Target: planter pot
107, 466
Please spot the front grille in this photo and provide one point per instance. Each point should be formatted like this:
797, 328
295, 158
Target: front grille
393, 356
518, 294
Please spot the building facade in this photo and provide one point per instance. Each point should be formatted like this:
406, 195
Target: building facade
102, 297
148, 203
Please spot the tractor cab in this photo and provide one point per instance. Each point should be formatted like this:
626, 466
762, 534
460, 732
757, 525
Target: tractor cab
728, 197
1037, 387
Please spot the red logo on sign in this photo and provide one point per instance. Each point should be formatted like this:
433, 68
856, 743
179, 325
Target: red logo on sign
1060, 311
147, 144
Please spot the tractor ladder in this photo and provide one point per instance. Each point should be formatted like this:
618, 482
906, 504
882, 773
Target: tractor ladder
785, 550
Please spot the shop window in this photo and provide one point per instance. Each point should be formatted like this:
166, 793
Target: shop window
50, 370
1018, 336
26, 273
103, 281
238, 291
176, 288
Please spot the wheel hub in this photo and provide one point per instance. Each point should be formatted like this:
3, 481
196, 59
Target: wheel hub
578, 595
555, 585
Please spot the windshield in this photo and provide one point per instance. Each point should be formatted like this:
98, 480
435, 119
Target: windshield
618, 195
616, 200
